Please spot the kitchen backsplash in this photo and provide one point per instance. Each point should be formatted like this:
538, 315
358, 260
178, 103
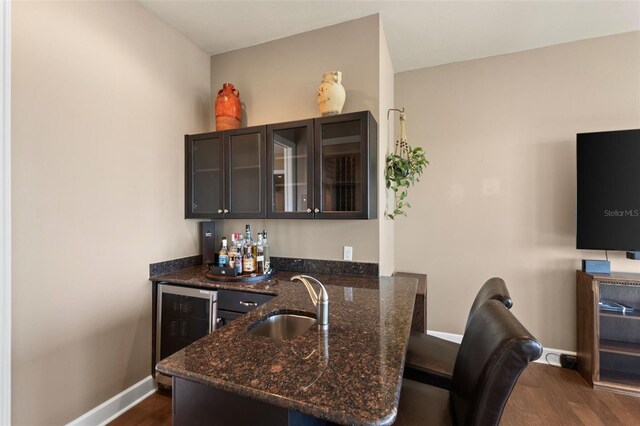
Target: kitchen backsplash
279, 264
324, 266
174, 265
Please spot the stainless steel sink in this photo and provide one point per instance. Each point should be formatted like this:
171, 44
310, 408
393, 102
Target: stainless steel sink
283, 326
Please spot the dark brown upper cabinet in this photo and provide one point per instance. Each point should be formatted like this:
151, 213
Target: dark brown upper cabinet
225, 174
323, 168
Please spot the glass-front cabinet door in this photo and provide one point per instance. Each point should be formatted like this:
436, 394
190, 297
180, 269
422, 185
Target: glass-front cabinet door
205, 177
345, 161
246, 159
290, 170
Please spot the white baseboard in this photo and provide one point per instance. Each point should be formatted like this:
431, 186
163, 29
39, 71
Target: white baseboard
114, 407
552, 356
455, 338
549, 355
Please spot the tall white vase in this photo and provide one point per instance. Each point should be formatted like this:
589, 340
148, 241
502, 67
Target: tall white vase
331, 94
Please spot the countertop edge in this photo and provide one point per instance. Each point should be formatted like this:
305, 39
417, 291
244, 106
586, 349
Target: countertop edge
284, 402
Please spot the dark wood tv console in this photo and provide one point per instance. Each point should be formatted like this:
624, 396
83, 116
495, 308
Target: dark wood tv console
609, 333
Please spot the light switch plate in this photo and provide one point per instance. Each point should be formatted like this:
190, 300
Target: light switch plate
348, 294
347, 253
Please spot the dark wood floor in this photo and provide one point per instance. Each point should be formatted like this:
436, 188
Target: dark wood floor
544, 395
155, 410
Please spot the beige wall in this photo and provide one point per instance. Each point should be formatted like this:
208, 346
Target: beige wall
102, 95
499, 196
277, 82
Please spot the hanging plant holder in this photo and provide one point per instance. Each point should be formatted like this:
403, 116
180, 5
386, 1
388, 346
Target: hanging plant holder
403, 169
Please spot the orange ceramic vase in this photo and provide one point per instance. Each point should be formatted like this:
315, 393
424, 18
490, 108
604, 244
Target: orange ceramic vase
228, 108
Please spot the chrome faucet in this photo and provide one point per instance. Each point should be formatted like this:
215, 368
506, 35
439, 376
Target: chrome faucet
319, 300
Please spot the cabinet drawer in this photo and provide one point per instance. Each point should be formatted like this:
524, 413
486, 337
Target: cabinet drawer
240, 301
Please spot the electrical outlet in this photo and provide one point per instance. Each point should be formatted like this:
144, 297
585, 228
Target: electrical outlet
347, 253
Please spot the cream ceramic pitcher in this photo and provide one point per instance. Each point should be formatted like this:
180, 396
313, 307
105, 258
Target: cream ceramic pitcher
331, 94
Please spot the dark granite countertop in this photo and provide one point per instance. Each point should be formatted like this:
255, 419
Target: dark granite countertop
351, 374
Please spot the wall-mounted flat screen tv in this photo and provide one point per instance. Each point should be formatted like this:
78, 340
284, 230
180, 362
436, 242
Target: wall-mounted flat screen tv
608, 205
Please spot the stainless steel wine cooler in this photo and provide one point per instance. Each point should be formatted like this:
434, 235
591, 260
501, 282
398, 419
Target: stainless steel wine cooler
184, 316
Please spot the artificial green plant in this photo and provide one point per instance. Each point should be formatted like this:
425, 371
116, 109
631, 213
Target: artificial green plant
403, 169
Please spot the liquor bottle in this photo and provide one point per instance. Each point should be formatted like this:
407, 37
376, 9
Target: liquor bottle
265, 250
233, 250
239, 253
254, 249
240, 244
238, 264
248, 262
247, 237
223, 255
248, 258
260, 255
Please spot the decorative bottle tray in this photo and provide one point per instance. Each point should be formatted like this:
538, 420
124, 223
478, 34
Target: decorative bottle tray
216, 273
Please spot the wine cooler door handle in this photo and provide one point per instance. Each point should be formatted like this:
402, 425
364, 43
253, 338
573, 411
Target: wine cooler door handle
213, 312
243, 303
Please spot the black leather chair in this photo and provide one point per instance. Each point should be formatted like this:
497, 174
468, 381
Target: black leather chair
494, 351
430, 359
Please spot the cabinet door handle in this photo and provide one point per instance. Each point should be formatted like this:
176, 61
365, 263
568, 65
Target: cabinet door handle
317, 210
248, 303
226, 211
309, 210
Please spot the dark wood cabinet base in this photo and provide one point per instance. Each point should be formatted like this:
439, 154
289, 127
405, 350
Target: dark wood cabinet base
196, 404
419, 322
